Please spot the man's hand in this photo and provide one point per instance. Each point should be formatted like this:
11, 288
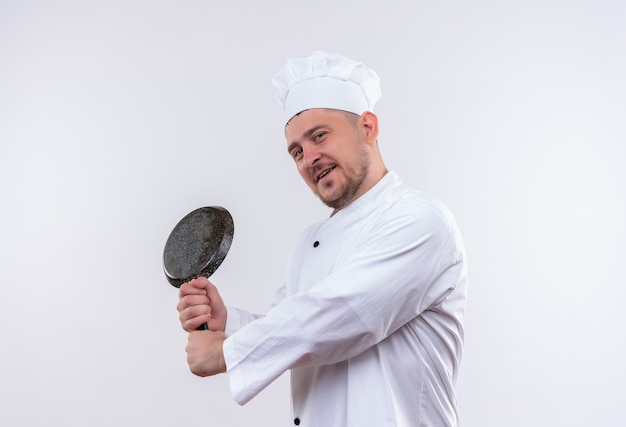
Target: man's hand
205, 356
200, 302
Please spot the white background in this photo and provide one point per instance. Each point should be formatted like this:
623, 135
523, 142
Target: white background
119, 117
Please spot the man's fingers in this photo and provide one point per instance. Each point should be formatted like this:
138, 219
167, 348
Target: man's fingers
200, 302
191, 300
193, 317
195, 311
192, 324
213, 295
200, 282
191, 288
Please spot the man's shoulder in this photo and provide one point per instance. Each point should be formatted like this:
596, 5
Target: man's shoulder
405, 198
419, 208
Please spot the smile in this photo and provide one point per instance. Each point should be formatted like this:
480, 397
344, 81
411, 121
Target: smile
324, 173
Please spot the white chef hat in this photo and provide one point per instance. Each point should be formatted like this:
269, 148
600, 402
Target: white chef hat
326, 80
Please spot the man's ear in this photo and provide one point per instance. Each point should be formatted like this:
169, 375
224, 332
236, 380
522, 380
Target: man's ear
369, 123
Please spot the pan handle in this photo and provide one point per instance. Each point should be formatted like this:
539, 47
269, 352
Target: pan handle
203, 327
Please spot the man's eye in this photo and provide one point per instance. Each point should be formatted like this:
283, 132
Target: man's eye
297, 153
319, 136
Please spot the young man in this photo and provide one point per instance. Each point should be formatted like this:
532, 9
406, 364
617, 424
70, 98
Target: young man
370, 317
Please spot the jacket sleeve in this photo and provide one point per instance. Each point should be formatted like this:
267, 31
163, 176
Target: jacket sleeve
238, 318
409, 263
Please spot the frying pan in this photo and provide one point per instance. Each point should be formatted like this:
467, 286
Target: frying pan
197, 245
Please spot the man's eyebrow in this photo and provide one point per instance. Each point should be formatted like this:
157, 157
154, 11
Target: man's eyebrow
292, 146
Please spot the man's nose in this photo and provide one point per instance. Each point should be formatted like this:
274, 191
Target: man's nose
311, 156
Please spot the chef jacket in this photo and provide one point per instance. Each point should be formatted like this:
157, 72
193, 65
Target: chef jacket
369, 319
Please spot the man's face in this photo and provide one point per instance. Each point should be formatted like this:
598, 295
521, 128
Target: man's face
331, 154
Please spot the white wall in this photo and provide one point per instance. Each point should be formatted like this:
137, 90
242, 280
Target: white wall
119, 117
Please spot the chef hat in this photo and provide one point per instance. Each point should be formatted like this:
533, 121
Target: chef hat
326, 80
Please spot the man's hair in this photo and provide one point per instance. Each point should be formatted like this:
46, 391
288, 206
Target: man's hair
351, 117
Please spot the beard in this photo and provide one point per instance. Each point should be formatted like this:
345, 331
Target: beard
347, 190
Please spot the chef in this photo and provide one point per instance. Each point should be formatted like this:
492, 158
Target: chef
369, 319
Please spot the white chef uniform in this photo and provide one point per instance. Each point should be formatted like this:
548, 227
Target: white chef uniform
369, 319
